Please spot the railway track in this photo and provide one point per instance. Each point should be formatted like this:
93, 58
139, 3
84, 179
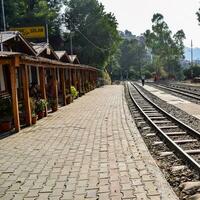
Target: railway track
184, 92
181, 139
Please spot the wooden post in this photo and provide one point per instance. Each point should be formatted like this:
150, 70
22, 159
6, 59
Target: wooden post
25, 82
85, 80
42, 86
14, 96
63, 85
69, 80
55, 86
82, 81
74, 78
79, 82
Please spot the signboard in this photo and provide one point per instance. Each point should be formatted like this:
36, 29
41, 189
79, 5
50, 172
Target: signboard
31, 32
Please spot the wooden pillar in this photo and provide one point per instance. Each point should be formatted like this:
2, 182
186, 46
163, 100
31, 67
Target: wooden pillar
14, 97
55, 87
63, 85
42, 86
85, 75
25, 82
74, 78
90, 81
70, 78
79, 82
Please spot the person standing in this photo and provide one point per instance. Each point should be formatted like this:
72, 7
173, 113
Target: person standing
143, 80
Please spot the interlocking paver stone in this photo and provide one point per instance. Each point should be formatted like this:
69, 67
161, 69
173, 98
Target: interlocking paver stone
90, 149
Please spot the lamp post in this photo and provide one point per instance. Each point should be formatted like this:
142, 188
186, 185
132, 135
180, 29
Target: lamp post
4, 23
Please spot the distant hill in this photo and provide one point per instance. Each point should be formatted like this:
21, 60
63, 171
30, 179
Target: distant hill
196, 53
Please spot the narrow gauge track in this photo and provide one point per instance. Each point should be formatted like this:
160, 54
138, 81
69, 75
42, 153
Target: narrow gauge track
184, 92
182, 139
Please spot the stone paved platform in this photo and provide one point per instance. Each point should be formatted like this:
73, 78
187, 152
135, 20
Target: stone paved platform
90, 150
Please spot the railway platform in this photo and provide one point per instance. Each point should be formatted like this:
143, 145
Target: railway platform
187, 106
90, 149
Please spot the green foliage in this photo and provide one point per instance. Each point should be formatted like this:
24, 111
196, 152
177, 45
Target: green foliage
41, 105
167, 50
6, 108
95, 35
35, 12
73, 91
192, 72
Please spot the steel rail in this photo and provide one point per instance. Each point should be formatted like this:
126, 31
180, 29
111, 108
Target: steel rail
180, 91
178, 150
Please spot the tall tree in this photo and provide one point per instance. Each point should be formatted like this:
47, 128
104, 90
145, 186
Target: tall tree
95, 35
167, 50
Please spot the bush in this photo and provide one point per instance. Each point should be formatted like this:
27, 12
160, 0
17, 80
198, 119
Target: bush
74, 92
6, 107
41, 105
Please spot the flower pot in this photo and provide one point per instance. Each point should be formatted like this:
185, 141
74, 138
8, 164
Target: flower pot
40, 114
54, 108
5, 126
34, 119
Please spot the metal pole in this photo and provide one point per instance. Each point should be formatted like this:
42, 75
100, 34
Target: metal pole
71, 44
47, 31
3, 15
1, 41
4, 23
191, 54
71, 48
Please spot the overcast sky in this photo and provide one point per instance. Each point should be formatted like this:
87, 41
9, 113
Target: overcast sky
136, 15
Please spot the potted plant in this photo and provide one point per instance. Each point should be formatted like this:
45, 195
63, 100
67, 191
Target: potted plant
40, 107
53, 104
6, 114
74, 92
33, 107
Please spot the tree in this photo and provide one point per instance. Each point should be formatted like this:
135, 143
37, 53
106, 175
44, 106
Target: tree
35, 12
167, 50
133, 58
95, 35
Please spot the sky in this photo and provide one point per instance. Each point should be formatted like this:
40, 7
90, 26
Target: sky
136, 15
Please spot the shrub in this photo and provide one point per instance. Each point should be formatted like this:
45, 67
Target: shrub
41, 105
74, 92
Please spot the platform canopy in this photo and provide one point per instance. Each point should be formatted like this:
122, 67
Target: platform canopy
74, 59
45, 50
13, 41
63, 56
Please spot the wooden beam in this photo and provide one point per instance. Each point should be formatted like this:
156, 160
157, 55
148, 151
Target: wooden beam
14, 96
25, 82
42, 86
